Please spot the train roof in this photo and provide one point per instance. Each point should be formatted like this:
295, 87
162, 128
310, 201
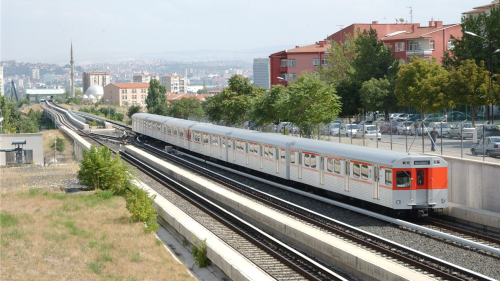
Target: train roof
151, 117
356, 152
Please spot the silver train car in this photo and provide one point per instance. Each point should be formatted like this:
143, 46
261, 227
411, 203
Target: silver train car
391, 179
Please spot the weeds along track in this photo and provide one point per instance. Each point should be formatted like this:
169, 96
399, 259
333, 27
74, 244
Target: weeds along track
406, 255
277, 259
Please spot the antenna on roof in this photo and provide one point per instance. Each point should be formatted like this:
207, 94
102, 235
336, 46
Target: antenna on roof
411, 14
402, 20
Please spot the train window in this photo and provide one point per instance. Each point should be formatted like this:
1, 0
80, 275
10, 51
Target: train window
420, 177
216, 140
229, 143
356, 170
271, 153
175, 132
223, 141
388, 178
266, 152
307, 160
292, 157
364, 172
169, 131
250, 148
283, 155
403, 179
181, 134
329, 164
337, 166
313, 161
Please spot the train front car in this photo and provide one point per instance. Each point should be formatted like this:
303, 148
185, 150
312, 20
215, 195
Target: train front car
420, 184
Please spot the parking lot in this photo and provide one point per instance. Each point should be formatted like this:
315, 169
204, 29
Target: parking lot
413, 144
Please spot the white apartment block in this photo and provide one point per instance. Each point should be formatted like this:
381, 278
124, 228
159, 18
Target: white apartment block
175, 83
145, 78
35, 73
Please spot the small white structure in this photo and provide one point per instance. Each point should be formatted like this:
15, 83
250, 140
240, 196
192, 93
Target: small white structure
94, 93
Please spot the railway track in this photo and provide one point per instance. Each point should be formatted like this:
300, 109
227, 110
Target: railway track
404, 254
277, 259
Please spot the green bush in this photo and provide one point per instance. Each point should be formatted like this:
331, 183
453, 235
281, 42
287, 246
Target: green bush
139, 203
119, 116
61, 144
101, 171
199, 252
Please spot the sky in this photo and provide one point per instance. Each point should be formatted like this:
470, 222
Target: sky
184, 30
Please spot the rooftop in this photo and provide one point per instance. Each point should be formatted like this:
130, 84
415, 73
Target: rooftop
474, 11
131, 85
488, 5
420, 32
45, 91
321, 46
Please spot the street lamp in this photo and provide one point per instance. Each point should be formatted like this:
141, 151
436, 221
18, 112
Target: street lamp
490, 42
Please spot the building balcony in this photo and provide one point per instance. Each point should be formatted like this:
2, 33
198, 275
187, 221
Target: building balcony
423, 52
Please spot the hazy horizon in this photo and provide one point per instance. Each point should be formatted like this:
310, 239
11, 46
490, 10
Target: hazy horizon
110, 31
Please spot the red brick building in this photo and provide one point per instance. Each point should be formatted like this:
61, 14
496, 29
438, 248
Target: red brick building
410, 39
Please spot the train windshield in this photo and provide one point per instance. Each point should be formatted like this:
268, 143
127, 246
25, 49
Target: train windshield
403, 179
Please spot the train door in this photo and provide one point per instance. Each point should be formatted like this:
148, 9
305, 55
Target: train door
322, 170
423, 193
277, 159
299, 166
261, 159
347, 175
376, 182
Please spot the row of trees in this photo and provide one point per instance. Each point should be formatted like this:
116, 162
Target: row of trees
15, 121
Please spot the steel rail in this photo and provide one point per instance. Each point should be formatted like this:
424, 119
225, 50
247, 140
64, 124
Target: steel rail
464, 231
408, 255
277, 250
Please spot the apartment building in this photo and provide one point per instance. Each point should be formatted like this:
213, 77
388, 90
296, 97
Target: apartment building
92, 78
261, 72
423, 41
483, 9
35, 73
145, 78
175, 83
126, 93
1, 81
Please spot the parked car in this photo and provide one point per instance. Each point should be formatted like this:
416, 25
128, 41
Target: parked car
387, 127
331, 129
491, 147
434, 117
404, 127
457, 116
441, 131
369, 132
347, 129
419, 130
489, 131
367, 122
467, 131
281, 126
414, 117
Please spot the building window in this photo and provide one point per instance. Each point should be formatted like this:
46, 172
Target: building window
291, 63
414, 45
323, 61
315, 62
451, 45
293, 77
134, 91
283, 63
432, 45
400, 47
283, 75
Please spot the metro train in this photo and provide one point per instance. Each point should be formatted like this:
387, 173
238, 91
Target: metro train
393, 181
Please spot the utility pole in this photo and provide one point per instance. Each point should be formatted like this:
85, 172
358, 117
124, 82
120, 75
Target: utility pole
411, 14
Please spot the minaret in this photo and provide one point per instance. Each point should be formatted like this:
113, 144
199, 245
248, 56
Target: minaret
72, 73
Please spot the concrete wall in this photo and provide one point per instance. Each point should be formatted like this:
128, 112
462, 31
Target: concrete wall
473, 183
33, 141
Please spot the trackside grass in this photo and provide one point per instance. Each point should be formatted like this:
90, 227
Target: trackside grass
49, 235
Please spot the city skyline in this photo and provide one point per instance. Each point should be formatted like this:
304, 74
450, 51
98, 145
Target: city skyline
190, 30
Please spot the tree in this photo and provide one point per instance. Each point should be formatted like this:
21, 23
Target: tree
378, 94
133, 110
60, 144
469, 47
101, 171
371, 58
204, 91
468, 84
185, 107
265, 107
423, 84
232, 104
348, 91
338, 62
310, 100
156, 100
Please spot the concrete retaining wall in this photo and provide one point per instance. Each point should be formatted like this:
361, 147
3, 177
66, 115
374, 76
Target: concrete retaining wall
474, 183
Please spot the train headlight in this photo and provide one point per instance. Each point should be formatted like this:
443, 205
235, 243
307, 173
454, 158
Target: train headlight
442, 200
436, 161
398, 202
